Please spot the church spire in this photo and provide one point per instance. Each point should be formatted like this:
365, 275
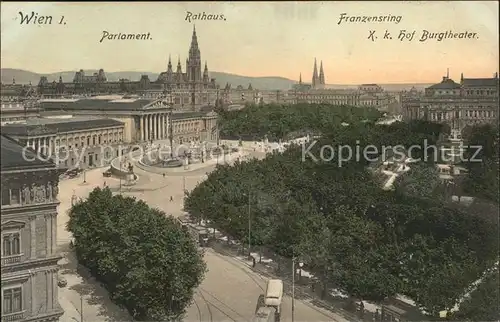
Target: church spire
179, 67
205, 73
300, 79
194, 41
169, 66
321, 74
315, 79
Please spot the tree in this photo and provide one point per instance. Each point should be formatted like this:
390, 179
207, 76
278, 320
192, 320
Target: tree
422, 181
482, 303
146, 260
482, 162
369, 242
256, 121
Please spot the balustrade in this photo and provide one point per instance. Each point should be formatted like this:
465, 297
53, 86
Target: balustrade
14, 316
9, 260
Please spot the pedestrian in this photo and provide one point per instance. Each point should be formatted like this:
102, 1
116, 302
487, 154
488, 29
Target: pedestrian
171, 198
105, 184
253, 261
164, 175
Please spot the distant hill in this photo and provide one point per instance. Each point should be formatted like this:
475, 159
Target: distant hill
24, 77
262, 83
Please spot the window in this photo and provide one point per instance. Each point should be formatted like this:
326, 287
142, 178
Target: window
11, 244
5, 196
12, 300
15, 196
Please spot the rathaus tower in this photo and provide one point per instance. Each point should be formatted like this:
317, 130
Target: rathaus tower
193, 87
194, 60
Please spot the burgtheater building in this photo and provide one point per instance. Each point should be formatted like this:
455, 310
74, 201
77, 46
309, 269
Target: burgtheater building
29, 224
190, 88
470, 102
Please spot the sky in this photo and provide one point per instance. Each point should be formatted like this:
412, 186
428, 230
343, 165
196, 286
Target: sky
259, 38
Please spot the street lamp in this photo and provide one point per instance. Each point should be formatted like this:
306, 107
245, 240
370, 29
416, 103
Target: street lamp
73, 198
170, 107
249, 224
293, 285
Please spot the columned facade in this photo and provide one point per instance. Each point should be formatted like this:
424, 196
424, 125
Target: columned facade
471, 102
153, 126
92, 145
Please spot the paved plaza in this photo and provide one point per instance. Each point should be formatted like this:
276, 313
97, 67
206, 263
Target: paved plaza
228, 293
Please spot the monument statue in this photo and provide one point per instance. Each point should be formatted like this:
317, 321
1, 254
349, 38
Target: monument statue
49, 191
26, 195
32, 193
55, 190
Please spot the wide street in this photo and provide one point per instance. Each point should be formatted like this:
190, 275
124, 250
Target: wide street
230, 289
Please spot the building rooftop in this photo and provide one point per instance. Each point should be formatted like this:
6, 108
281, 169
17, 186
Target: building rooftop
480, 82
187, 115
446, 83
333, 91
46, 126
15, 156
110, 103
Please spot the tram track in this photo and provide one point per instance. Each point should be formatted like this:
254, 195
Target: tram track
221, 306
207, 303
223, 257
240, 268
199, 311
